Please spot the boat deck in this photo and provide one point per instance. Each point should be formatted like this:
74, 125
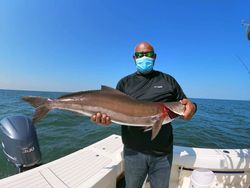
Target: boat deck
88, 167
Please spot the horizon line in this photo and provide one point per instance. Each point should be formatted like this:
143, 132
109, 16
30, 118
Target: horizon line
50, 91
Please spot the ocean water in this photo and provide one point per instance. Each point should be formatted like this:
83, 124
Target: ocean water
217, 124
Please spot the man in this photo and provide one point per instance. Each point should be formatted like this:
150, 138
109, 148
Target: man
143, 156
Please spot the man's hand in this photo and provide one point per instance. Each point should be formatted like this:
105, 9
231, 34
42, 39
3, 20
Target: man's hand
190, 109
102, 119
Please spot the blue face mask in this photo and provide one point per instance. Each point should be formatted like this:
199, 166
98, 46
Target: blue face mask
144, 64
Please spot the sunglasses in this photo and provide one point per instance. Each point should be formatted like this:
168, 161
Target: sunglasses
147, 54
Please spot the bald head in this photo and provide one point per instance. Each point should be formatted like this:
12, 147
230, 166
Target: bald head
144, 47
144, 57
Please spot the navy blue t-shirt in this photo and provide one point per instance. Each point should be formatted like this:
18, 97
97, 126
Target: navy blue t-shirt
155, 87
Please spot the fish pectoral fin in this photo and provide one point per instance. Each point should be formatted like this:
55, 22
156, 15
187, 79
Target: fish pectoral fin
156, 128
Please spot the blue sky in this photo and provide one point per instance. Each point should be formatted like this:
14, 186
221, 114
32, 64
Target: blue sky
74, 45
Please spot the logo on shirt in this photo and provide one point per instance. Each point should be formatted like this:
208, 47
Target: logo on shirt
158, 87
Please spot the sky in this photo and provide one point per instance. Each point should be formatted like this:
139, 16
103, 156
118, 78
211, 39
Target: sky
74, 45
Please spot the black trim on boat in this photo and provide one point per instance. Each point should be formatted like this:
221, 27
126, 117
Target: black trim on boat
216, 171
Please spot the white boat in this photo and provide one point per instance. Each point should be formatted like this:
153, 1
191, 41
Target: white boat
100, 165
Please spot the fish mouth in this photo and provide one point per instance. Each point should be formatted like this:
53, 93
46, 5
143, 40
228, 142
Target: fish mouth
167, 112
171, 114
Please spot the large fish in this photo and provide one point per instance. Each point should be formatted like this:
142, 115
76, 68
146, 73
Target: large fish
121, 108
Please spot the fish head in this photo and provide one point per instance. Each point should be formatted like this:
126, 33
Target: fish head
171, 110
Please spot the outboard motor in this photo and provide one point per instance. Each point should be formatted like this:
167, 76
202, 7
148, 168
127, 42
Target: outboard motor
19, 141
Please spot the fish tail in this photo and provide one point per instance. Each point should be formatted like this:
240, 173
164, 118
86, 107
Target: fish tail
41, 104
40, 112
36, 101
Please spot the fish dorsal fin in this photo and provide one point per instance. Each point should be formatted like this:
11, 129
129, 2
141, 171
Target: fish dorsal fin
110, 89
107, 88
